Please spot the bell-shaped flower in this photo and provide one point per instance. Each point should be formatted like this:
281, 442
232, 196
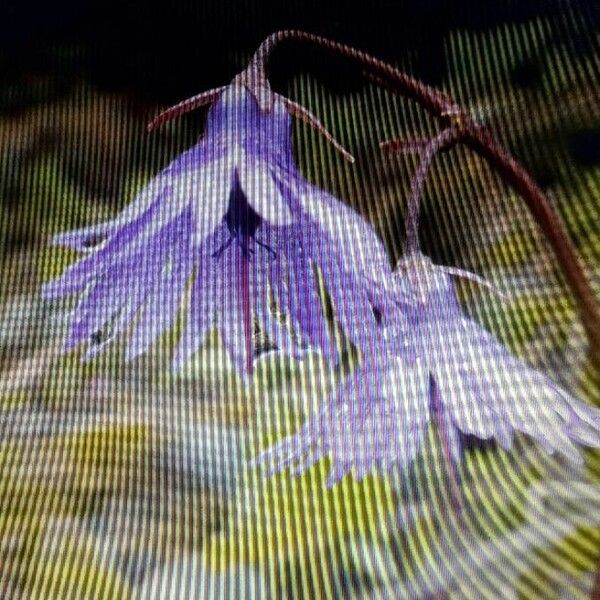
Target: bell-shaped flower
448, 369
483, 389
233, 223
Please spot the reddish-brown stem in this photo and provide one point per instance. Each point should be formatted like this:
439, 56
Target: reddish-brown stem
404, 146
549, 222
595, 594
434, 100
478, 139
413, 208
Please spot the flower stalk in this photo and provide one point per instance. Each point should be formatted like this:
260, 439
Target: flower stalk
466, 130
413, 208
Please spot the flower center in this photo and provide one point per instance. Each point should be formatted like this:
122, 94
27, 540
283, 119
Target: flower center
242, 222
241, 219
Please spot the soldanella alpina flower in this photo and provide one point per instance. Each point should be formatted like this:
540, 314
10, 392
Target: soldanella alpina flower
432, 363
233, 220
480, 387
447, 369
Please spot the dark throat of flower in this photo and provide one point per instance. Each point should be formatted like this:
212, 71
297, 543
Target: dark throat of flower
242, 224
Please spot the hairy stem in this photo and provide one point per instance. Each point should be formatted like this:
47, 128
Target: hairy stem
441, 105
413, 208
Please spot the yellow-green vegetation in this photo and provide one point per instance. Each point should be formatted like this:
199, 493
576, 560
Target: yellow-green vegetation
298, 520
134, 466
50, 486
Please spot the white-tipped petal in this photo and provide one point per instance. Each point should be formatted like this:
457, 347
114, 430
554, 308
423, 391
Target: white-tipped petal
263, 194
207, 190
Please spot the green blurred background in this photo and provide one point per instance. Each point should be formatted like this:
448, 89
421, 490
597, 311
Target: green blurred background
124, 480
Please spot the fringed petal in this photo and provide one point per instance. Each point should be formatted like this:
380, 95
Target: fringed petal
353, 309
203, 303
207, 191
306, 309
348, 234
376, 419
490, 393
86, 238
115, 297
164, 298
234, 295
271, 323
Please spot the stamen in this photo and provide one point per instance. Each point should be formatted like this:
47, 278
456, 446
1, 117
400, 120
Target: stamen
243, 242
222, 249
267, 248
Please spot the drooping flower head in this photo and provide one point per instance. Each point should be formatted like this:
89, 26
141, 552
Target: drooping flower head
481, 388
436, 365
448, 370
233, 218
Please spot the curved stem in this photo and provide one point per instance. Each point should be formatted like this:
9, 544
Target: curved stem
443, 106
595, 593
413, 207
549, 222
434, 100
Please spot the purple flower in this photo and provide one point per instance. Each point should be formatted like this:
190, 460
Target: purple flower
480, 387
374, 420
233, 220
448, 369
